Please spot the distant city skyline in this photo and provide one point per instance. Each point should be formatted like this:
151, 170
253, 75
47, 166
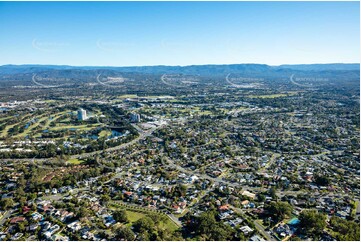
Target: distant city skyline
179, 33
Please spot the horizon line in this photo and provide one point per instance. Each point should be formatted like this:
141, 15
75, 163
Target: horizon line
331, 63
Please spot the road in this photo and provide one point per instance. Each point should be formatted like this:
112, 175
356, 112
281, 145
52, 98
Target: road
218, 181
259, 227
142, 134
170, 216
264, 232
5, 217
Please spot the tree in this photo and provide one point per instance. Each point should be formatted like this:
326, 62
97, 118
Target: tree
273, 193
156, 218
144, 224
105, 198
322, 180
210, 229
346, 230
261, 197
125, 233
221, 232
6, 203
83, 212
312, 221
279, 210
205, 222
120, 216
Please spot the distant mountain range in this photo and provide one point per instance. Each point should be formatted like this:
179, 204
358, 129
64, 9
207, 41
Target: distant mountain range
203, 70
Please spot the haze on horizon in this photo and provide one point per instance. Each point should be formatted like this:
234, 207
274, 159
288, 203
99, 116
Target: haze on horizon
179, 33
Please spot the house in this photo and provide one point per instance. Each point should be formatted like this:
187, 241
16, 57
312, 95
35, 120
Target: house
256, 238
74, 226
64, 215
46, 225
249, 194
17, 236
16, 220
182, 205
235, 222
26, 209
224, 215
193, 178
36, 216
33, 227
58, 237
223, 208
246, 229
177, 209
245, 203
341, 214
108, 220
283, 230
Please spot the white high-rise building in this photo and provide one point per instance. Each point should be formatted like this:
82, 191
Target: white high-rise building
82, 114
135, 117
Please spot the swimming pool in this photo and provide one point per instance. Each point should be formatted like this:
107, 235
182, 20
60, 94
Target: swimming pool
294, 221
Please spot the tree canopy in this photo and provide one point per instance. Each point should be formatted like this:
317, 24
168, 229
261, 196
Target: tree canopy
312, 221
346, 230
279, 210
125, 233
120, 216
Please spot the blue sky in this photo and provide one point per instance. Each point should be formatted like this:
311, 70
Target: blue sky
178, 33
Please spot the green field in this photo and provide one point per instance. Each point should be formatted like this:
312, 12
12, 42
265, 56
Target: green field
273, 95
4, 118
5, 131
77, 127
134, 214
104, 133
127, 96
75, 161
268, 96
31, 127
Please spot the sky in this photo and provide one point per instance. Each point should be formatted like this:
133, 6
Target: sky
179, 33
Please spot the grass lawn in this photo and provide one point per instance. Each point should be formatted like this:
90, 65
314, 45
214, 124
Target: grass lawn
353, 213
5, 131
43, 117
75, 161
31, 127
4, 118
268, 96
273, 95
182, 214
105, 133
128, 96
170, 225
77, 127
49, 121
134, 216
